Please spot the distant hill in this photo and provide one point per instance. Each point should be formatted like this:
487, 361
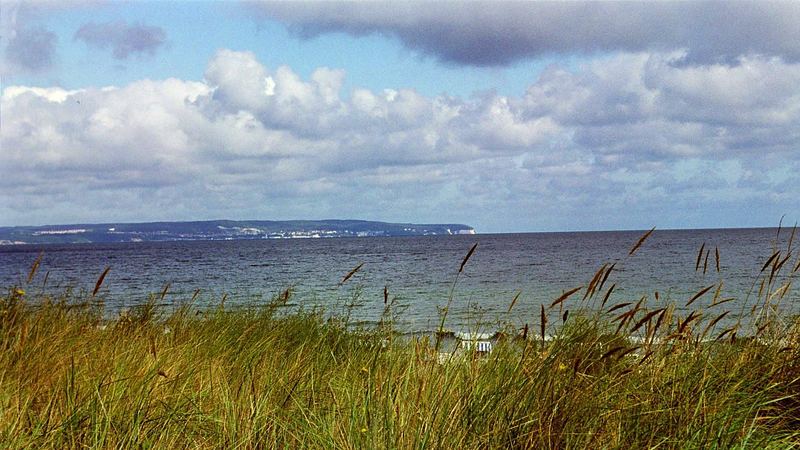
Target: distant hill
219, 230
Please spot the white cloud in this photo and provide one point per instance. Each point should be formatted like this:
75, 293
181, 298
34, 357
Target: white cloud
240, 82
253, 142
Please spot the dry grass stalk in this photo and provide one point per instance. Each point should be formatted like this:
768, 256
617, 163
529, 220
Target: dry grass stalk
661, 317
694, 315
627, 316
699, 257
514, 301
726, 332
565, 296
699, 294
763, 327
714, 322
611, 352
466, 258
646, 357
781, 291
652, 330
351, 273
647, 318
595, 280
770, 260
717, 293
542, 322
618, 306
35, 266
778, 266
99, 282
641, 241
624, 318
628, 351
608, 294
724, 300
605, 277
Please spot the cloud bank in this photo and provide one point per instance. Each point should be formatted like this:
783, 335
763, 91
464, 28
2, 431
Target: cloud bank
627, 142
489, 33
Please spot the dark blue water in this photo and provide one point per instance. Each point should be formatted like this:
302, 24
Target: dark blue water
418, 271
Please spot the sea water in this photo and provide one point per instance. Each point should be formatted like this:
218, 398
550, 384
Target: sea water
421, 274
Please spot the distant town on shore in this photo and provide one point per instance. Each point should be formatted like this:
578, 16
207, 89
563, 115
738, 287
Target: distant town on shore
219, 230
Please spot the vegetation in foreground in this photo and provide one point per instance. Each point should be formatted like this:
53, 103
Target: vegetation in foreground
622, 375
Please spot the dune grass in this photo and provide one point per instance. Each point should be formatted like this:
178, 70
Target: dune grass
614, 373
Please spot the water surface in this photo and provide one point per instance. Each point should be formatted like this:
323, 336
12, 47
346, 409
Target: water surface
419, 272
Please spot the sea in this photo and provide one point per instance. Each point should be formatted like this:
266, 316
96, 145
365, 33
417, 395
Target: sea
414, 282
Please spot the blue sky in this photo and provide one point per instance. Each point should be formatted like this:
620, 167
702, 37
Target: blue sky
506, 116
196, 30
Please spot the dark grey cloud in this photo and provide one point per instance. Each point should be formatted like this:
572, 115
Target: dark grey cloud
25, 45
488, 33
123, 39
32, 49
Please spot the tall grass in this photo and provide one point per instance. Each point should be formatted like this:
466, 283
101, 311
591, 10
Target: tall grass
613, 373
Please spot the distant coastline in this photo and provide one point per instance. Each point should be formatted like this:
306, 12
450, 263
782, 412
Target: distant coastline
219, 230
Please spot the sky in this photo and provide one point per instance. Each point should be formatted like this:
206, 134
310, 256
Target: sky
506, 116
